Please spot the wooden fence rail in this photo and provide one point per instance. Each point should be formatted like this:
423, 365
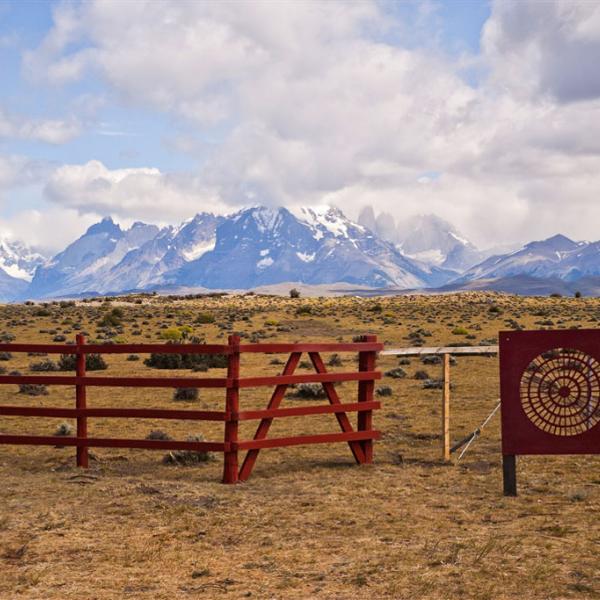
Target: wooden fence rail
359, 440
446, 352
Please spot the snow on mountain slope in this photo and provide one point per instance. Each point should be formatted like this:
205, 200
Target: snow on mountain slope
18, 260
425, 238
260, 246
86, 263
172, 248
557, 256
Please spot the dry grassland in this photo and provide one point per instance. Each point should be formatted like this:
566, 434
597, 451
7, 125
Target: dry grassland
309, 523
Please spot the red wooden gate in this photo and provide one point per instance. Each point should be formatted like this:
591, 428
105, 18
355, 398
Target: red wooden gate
550, 394
359, 440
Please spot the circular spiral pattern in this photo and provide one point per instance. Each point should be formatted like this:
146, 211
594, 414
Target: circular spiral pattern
560, 392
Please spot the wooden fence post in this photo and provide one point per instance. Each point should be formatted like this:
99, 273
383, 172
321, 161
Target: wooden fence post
446, 409
366, 362
80, 403
232, 407
509, 474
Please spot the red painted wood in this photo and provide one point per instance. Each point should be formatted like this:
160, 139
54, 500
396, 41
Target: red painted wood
366, 363
231, 416
265, 424
118, 348
56, 440
157, 348
132, 413
323, 438
333, 398
247, 415
246, 382
47, 348
232, 407
517, 350
80, 403
289, 348
150, 382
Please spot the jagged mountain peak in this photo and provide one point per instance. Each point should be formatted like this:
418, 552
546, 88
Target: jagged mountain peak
105, 226
558, 242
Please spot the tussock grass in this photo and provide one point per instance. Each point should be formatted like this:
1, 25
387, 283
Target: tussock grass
309, 523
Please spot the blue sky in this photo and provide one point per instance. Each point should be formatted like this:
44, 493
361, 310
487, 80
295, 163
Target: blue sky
155, 111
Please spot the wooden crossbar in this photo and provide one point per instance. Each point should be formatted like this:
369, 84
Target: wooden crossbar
360, 440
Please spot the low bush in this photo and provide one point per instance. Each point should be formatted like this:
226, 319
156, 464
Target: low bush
185, 394
397, 373
157, 434
384, 390
310, 391
64, 429
335, 360
93, 362
205, 318
33, 389
44, 366
188, 457
186, 361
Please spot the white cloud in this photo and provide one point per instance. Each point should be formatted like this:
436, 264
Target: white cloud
51, 131
128, 193
312, 104
38, 228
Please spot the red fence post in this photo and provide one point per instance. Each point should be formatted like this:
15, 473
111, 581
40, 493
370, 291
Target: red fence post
232, 408
80, 403
366, 362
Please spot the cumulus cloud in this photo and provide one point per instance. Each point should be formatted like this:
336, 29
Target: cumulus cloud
546, 47
313, 103
127, 193
38, 227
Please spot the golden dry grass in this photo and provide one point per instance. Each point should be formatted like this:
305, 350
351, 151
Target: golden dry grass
309, 523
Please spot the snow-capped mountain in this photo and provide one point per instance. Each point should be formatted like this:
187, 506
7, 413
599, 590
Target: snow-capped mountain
85, 264
425, 238
109, 259
168, 251
255, 246
557, 257
18, 260
260, 246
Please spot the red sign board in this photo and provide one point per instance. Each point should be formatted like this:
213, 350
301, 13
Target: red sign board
550, 392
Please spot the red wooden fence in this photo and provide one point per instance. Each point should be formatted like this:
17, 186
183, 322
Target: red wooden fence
359, 440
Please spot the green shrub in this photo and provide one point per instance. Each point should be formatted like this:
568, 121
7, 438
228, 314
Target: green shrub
460, 331
397, 373
188, 457
112, 319
93, 362
64, 430
294, 293
33, 389
205, 318
186, 361
309, 391
44, 366
185, 394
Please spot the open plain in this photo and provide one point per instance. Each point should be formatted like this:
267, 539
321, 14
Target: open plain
309, 523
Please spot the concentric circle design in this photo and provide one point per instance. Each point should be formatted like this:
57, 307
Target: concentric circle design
560, 392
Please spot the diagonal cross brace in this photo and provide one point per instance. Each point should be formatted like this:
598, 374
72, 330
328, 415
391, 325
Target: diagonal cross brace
333, 398
265, 424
